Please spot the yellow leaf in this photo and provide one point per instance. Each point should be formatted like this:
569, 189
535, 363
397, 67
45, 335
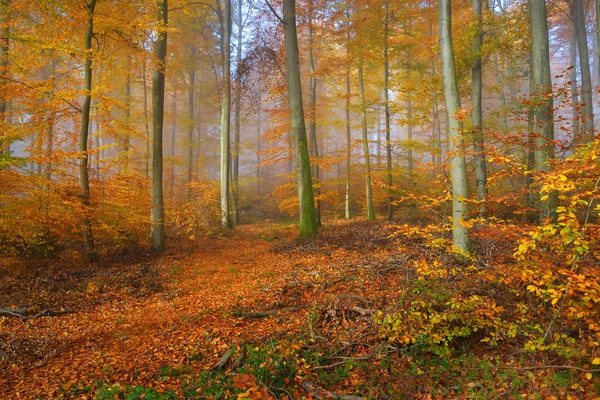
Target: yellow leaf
596, 361
588, 375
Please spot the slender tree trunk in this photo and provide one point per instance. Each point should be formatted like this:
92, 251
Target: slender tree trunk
531, 197
477, 111
458, 171
386, 105
542, 84
173, 140
146, 119
313, 148
365, 139
587, 109
598, 37
574, 95
4, 46
348, 145
409, 135
90, 252
235, 196
258, 141
157, 215
308, 217
190, 131
126, 139
225, 113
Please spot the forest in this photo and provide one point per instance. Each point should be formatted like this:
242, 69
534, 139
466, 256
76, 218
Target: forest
299, 199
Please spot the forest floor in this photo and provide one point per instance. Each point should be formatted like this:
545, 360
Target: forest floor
254, 315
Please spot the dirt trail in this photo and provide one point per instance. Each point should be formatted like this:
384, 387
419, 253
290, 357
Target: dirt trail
127, 341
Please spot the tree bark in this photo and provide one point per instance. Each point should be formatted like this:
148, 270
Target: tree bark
365, 140
157, 214
458, 171
90, 252
386, 105
225, 16
542, 90
348, 145
172, 141
308, 217
235, 196
587, 108
4, 46
477, 111
574, 94
190, 131
313, 148
258, 141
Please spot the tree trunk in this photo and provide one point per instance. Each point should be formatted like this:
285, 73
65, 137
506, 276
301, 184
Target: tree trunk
598, 36
4, 46
365, 140
542, 85
313, 148
258, 135
386, 105
235, 192
190, 132
458, 171
409, 135
126, 139
477, 111
146, 118
308, 217
587, 109
173, 140
225, 112
157, 214
574, 95
348, 145
90, 253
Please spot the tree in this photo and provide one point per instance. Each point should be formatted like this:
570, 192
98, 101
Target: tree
578, 16
157, 214
313, 148
308, 216
477, 112
458, 171
84, 179
225, 19
386, 106
365, 140
542, 92
235, 189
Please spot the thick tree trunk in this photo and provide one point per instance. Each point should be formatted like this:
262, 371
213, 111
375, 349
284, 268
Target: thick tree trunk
365, 140
542, 89
157, 214
587, 109
598, 37
308, 217
386, 106
477, 111
90, 252
313, 148
458, 171
235, 150
225, 113
190, 131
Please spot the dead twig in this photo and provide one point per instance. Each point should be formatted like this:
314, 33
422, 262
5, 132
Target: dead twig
265, 314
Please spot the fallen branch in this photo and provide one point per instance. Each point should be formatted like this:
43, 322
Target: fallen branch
314, 389
25, 314
224, 360
265, 314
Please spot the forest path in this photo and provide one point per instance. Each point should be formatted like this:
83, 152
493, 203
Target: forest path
191, 322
